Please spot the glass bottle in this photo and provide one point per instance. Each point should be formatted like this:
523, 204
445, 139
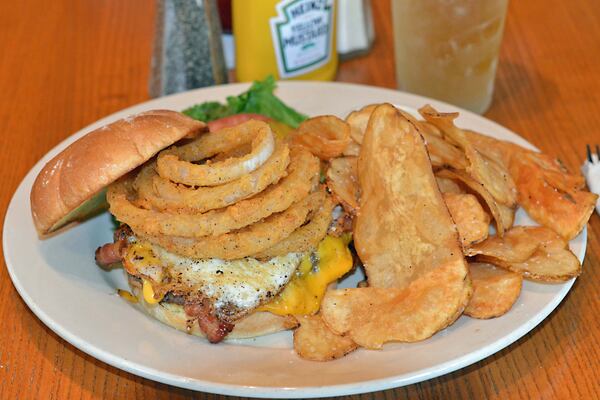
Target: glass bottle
188, 52
289, 39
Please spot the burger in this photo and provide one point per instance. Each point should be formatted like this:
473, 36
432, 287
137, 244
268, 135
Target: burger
222, 234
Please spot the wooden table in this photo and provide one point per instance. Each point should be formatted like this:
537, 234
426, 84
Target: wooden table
66, 63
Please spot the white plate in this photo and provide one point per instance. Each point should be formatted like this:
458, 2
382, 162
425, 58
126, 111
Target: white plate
60, 282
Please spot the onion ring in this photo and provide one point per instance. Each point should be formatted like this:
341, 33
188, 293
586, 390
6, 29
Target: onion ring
305, 237
297, 185
326, 136
249, 240
163, 194
174, 164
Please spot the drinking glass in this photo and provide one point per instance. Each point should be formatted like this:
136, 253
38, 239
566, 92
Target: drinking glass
448, 49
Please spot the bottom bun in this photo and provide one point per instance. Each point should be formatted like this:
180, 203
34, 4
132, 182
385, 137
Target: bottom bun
255, 324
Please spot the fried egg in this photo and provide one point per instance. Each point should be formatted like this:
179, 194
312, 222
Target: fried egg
234, 287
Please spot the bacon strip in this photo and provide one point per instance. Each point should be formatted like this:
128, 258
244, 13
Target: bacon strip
215, 329
108, 254
111, 253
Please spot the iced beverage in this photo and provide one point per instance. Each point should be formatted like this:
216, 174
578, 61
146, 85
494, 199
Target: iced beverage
448, 49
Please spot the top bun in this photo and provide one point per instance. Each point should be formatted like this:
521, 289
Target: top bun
63, 189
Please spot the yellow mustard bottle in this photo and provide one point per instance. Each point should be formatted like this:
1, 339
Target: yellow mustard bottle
289, 39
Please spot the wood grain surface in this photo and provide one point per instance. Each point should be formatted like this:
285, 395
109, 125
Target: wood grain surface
66, 63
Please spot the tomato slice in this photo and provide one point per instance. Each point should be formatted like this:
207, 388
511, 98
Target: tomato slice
233, 120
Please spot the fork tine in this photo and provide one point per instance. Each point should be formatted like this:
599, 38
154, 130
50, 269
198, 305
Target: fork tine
589, 153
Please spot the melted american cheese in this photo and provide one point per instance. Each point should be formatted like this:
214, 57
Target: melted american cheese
305, 291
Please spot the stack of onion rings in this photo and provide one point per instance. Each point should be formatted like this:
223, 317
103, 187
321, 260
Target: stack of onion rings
247, 241
208, 199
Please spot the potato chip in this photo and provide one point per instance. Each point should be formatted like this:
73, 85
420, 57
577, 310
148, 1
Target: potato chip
551, 197
342, 180
554, 172
426, 127
436, 162
552, 261
358, 121
551, 264
314, 341
499, 151
493, 176
414, 232
503, 215
495, 290
546, 190
372, 316
517, 245
442, 153
353, 149
448, 185
418, 279
471, 221
534, 251
564, 182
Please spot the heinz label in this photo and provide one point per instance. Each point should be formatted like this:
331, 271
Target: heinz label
302, 35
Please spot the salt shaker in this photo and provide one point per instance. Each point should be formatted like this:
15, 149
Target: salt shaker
188, 52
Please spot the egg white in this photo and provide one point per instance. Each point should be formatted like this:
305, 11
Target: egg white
234, 286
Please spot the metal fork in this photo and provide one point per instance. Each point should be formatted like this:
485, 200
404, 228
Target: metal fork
591, 170
590, 156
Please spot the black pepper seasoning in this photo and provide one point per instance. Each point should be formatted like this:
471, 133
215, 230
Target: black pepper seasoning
188, 52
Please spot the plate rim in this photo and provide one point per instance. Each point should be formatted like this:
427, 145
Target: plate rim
267, 391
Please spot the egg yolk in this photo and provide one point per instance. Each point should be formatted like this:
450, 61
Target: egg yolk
303, 294
127, 295
148, 292
140, 257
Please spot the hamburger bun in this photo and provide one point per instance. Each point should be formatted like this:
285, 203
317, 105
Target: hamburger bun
71, 185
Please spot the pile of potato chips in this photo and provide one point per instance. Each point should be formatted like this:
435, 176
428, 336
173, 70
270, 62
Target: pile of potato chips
422, 195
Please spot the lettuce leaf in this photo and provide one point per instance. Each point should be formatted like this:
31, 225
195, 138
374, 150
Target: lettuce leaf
259, 99
208, 111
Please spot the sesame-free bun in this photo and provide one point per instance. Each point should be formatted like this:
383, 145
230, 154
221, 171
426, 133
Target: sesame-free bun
70, 186
257, 323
